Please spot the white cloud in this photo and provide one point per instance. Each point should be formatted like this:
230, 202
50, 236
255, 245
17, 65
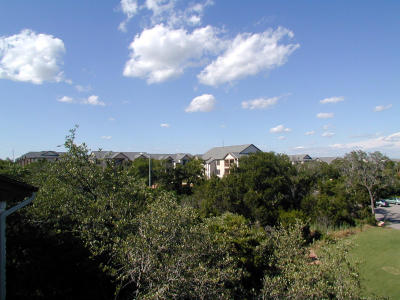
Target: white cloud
249, 54
66, 99
328, 134
390, 141
111, 119
93, 100
106, 137
203, 103
299, 148
31, 57
325, 115
332, 100
382, 107
260, 103
129, 8
280, 128
81, 88
165, 125
312, 132
282, 137
161, 53
167, 12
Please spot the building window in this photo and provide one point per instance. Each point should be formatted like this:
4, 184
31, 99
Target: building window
218, 172
229, 163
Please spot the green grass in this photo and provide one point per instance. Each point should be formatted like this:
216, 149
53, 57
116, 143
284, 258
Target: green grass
378, 252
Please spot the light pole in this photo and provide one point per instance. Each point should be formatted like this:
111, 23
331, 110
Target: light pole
149, 170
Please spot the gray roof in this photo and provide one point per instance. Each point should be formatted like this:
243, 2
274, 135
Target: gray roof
299, 157
327, 159
112, 154
41, 154
221, 152
134, 155
175, 157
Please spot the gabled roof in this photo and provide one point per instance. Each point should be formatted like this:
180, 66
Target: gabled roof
41, 154
162, 156
299, 157
134, 155
328, 159
235, 154
111, 154
104, 154
221, 152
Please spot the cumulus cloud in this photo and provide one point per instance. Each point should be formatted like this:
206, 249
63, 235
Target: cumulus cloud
332, 100
81, 88
260, 103
91, 100
325, 115
31, 57
390, 141
66, 99
129, 8
249, 54
168, 12
106, 137
382, 107
282, 137
165, 11
165, 125
161, 53
312, 132
328, 134
203, 103
279, 129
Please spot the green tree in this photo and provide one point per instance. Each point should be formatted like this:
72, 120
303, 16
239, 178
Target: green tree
173, 255
367, 170
293, 275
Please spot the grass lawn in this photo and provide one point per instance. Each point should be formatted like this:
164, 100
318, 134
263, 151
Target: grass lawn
378, 251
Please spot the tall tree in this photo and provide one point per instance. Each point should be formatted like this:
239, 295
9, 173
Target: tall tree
367, 170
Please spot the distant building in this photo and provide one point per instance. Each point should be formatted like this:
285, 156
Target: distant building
218, 160
118, 157
126, 157
31, 157
327, 159
300, 158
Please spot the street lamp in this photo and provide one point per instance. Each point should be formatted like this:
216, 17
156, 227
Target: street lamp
141, 153
149, 170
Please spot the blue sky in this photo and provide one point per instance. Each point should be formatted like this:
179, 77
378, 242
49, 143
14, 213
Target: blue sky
166, 76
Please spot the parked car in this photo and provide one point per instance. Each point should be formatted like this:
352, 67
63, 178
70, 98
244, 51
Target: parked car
381, 203
395, 201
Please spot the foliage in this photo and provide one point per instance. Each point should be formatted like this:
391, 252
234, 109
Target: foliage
182, 178
241, 240
140, 169
173, 255
92, 219
293, 275
257, 189
367, 170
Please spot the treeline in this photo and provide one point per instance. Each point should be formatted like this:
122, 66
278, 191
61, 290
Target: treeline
99, 232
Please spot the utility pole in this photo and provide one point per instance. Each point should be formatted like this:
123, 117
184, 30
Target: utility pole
149, 170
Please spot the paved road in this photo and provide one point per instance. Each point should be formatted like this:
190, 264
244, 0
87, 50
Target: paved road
389, 214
